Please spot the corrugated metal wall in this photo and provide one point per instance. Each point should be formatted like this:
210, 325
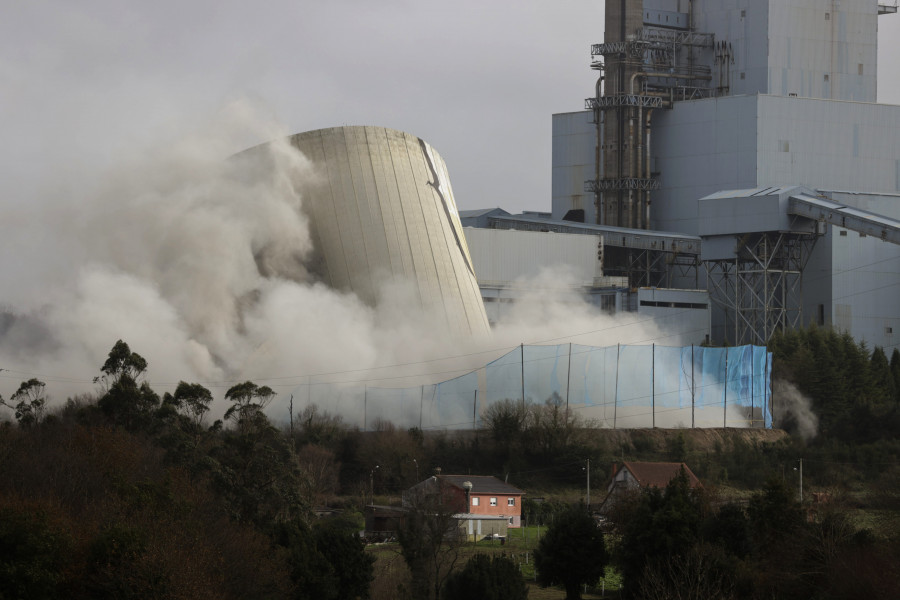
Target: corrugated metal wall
502, 256
382, 211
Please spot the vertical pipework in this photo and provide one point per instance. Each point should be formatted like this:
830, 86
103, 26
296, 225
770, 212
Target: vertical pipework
691, 29
647, 169
625, 220
639, 154
600, 117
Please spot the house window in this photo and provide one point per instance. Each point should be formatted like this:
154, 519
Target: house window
510, 501
493, 501
475, 501
510, 520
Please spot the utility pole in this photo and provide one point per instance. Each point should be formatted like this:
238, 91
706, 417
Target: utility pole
372, 483
588, 472
291, 410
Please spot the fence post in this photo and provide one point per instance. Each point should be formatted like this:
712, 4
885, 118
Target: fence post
616, 392
692, 387
725, 399
522, 346
568, 380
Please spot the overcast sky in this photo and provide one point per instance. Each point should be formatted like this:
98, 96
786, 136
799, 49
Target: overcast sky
83, 82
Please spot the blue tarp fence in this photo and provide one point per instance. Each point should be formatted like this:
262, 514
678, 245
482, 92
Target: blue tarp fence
612, 387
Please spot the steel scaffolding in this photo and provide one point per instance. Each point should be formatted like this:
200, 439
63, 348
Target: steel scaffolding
760, 289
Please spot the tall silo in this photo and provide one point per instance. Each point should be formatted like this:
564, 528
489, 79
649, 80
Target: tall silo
381, 211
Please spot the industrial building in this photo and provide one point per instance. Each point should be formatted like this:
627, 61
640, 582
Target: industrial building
736, 148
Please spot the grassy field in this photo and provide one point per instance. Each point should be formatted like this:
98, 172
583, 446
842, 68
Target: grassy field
391, 571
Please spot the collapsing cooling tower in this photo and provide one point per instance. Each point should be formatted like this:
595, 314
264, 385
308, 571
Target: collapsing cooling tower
382, 211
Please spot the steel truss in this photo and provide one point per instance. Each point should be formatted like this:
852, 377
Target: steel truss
760, 289
649, 268
624, 183
623, 100
649, 38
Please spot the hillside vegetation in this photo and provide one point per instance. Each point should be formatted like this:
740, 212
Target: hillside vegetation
126, 493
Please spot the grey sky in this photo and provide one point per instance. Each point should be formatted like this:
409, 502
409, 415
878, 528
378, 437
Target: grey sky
83, 82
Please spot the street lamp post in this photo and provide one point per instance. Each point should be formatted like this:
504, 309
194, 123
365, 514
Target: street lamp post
417, 469
372, 483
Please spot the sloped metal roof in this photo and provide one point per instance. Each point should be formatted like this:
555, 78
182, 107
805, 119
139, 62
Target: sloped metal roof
481, 484
659, 474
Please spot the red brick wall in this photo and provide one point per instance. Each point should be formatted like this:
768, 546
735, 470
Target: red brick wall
502, 509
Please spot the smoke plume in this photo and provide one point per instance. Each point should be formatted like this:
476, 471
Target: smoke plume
196, 260
793, 410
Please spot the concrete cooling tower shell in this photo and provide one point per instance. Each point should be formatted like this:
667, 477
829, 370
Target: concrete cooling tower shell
381, 212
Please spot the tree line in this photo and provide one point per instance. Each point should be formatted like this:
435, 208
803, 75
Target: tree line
126, 493
131, 495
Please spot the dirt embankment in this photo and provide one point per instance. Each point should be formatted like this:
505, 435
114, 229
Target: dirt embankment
660, 440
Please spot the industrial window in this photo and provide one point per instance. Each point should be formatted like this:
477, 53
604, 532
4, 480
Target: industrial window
889, 330
493, 501
860, 68
827, 16
844, 233
510, 501
826, 76
862, 235
821, 315
475, 501
743, 13
743, 75
658, 304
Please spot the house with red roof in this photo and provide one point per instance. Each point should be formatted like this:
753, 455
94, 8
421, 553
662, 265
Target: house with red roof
634, 476
474, 495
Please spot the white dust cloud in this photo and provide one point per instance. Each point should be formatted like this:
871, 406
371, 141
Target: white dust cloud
199, 267
793, 411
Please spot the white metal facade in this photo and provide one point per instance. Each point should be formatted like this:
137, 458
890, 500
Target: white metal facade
574, 139
382, 211
810, 48
682, 315
515, 264
800, 110
502, 256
